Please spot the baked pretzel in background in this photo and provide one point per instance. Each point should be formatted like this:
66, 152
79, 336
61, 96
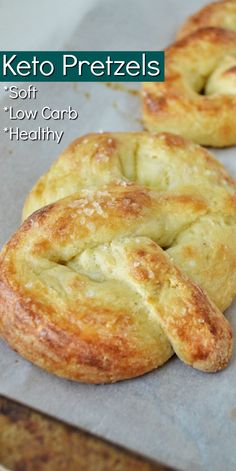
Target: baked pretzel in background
198, 98
221, 14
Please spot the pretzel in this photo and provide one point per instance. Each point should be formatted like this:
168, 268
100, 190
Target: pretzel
198, 98
164, 163
218, 14
100, 285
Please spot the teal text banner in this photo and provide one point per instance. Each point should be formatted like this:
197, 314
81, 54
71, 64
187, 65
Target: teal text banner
81, 66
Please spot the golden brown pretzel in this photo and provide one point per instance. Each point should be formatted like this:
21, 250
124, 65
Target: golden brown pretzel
86, 292
165, 163
198, 97
220, 14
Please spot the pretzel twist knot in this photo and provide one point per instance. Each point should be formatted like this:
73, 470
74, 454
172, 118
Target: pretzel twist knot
198, 98
106, 283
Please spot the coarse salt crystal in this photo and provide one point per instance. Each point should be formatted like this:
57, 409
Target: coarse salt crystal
88, 211
29, 284
136, 264
98, 208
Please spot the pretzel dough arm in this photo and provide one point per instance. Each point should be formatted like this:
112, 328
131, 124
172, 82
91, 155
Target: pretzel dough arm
206, 252
196, 329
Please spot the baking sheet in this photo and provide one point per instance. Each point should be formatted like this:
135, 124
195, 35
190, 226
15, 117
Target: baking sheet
175, 414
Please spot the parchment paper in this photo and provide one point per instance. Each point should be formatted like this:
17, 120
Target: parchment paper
175, 414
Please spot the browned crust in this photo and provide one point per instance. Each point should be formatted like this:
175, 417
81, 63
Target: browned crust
175, 106
210, 15
34, 327
61, 352
66, 354
208, 344
211, 33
